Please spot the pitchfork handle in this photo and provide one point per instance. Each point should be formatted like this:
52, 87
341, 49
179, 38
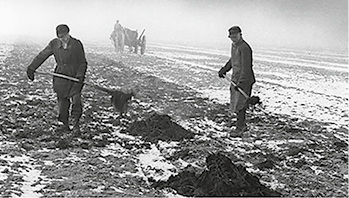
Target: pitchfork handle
58, 75
238, 88
64, 76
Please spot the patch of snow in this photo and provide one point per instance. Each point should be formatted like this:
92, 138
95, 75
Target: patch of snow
28, 171
3, 175
116, 189
99, 189
35, 97
274, 184
173, 195
72, 157
296, 141
316, 170
304, 63
163, 144
113, 149
274, 144
30, 177
117, 133
152, 163
48, 163
128, 173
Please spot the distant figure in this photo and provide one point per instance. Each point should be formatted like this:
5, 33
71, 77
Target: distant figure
71, 61
118, 27
243, 76
118, 37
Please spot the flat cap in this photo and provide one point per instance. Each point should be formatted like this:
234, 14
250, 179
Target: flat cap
234, 30
62, 29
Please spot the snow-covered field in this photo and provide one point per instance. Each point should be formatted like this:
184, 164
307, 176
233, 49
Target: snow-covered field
305, 85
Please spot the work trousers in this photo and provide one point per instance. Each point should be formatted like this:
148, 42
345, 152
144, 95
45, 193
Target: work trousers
72, 105
241, 119
238, 104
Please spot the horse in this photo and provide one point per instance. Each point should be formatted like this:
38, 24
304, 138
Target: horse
131, 40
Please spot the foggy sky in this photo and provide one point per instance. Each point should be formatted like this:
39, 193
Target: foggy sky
272, 23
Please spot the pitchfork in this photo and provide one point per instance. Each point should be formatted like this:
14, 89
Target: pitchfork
249, 100
75, 80
118, 104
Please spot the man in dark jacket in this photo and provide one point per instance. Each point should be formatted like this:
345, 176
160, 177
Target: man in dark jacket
71, 61
243, 76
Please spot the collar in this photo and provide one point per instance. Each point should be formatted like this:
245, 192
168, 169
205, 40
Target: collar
63, 44
238, 43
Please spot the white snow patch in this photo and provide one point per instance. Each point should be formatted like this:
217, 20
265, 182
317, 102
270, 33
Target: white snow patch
152, 163
114, 149
30, 177
116, 189
28, 171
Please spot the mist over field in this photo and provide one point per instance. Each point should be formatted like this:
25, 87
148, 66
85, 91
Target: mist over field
177, 136
310, 24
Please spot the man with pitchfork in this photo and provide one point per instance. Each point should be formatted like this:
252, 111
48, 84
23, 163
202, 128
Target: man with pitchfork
71, 61
243, 77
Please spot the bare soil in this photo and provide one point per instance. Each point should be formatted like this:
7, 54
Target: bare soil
284, 156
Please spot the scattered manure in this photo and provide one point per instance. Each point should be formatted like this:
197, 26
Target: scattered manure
221, 178
159, 127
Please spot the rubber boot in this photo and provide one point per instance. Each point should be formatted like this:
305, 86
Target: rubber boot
240, 124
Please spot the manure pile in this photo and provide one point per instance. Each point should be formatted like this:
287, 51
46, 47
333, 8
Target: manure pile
222, 178
159, 127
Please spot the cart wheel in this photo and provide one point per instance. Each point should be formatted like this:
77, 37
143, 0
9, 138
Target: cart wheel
143, 45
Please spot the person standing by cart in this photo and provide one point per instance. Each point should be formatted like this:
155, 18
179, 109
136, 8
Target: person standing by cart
243, 76
118, 37
71, 61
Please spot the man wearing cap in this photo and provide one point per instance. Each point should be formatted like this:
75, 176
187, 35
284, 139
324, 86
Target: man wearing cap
71, 61
243, 76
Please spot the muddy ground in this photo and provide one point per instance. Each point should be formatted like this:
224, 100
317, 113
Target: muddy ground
288, 156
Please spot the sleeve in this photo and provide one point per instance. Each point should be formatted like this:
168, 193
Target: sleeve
246, 63
227, 67
82, 67
41, 57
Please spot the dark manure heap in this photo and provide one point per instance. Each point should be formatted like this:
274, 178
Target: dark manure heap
222, 178
159, 127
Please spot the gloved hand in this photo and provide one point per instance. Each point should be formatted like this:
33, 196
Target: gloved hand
30, 74
221, 73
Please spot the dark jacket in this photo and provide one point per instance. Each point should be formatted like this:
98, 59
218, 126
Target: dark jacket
241, 63
71, 62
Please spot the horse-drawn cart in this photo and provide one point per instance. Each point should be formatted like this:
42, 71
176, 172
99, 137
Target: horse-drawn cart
133, 41
129, 38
